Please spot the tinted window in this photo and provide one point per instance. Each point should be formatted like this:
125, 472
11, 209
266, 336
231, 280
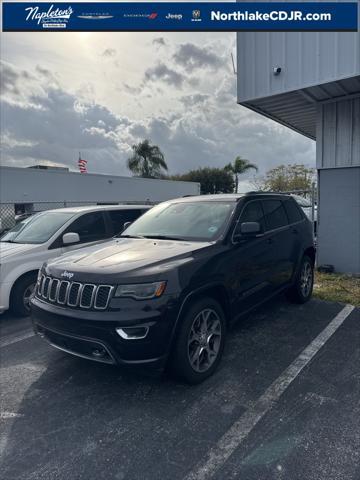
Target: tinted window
119, 217
253, 212
275, 215
90, 227
293, 211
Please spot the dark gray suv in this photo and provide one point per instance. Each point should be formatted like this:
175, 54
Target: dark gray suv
167, 289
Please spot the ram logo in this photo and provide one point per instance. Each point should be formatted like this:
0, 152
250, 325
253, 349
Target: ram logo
68, 275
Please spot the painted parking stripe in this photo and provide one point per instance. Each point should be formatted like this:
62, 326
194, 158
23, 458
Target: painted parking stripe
237, 433
16, 338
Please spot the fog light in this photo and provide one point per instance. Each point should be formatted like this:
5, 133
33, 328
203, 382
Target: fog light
132, 333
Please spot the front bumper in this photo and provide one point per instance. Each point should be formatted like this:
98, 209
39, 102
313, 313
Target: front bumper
93, 335
5, 289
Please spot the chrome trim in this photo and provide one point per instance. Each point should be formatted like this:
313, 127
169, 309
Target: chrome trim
78, 294
41, 285
108, 296
126, 336
44, 294
92, 295
55, 298
66, 292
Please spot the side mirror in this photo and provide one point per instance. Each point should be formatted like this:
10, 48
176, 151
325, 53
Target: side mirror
250, 228
247, 230
70, 237
126, 225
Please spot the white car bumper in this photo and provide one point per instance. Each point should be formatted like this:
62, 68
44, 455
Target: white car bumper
5, 289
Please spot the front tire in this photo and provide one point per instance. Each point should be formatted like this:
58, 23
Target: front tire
21, 293
200, 341
301, 291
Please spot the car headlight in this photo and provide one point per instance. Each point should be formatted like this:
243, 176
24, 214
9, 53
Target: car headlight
141, 291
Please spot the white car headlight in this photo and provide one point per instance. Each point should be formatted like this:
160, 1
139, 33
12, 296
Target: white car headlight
141, 291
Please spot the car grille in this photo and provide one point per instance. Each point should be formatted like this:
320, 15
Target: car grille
74, 294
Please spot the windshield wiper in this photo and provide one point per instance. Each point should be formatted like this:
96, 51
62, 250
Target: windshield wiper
128, 236
162, 237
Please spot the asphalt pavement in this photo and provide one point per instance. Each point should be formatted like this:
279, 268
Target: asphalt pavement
284, 404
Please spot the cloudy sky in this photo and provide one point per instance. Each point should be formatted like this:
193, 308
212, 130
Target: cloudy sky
99, 93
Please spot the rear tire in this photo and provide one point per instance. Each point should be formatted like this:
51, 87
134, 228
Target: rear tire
200, 341
20, 294
301, 291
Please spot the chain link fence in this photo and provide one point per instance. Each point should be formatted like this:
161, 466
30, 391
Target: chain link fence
11, 213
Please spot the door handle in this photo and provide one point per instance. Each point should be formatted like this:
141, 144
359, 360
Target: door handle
270, 240
295, 231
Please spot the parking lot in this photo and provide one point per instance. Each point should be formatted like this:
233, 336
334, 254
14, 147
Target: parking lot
281, 406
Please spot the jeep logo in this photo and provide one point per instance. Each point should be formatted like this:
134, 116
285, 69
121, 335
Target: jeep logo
67, 274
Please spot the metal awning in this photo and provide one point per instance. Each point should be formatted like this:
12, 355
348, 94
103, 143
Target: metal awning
297, 109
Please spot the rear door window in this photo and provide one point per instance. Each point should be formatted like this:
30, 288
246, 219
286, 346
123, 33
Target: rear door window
119, 217
275, 214
293, 211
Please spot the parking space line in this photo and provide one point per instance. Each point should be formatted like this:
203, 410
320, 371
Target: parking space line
16, 338
238, 432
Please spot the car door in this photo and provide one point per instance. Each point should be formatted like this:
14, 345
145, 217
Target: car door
91, 228
251, 260
281, 238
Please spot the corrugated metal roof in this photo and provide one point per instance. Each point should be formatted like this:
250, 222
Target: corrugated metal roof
297, 109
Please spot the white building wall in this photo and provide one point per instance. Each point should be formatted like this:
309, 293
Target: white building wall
25, 185
338, 146
306, 59
338, 134
339, 219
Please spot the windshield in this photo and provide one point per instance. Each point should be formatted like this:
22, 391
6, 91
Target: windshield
199, 221
39, 228
11, 234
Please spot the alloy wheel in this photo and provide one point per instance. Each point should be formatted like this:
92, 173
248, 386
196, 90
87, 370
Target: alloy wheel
27, 295
306, 279
204, 340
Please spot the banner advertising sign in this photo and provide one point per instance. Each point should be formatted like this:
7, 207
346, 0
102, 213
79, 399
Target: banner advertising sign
175, 16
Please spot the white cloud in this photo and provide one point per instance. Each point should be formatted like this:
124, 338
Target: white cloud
104, 92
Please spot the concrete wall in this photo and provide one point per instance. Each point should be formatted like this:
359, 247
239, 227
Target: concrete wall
24, 185
338, 134
306, 59
339, 219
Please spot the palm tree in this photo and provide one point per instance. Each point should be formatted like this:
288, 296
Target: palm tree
147, 160
240, 166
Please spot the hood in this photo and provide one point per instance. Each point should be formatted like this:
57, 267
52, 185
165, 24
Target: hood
10, 249
121, 256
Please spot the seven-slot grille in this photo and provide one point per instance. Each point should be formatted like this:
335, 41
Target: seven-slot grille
74, 294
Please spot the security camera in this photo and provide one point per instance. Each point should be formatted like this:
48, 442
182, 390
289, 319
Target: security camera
277, 70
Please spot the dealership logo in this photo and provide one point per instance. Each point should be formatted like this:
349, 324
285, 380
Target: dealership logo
50, 18
95, 16
174, 16
67, 274
196, 16
150, 16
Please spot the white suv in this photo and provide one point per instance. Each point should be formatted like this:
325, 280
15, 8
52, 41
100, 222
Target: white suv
50, 234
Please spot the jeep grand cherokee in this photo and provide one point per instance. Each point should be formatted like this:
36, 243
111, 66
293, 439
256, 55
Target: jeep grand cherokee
167, 289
